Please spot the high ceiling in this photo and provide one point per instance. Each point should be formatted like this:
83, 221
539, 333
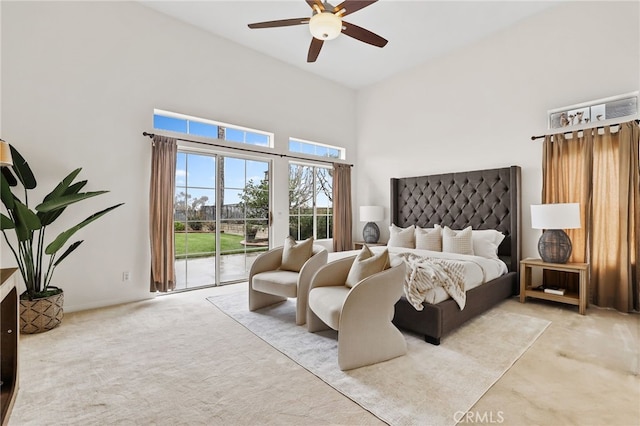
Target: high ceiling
418, 31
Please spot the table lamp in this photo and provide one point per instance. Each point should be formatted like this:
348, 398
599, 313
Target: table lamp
554, 245
5, 154
371, 214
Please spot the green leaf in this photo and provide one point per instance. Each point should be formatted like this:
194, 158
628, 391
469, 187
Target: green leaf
64, 237
67, 252
75, 188
22, 170
66, 200
26, 221
6, 194
6, 173
49, 217
62, 187
6, 223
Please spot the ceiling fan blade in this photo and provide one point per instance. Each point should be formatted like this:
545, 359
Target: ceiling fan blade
361, 34
280, 23
314, 3
314, 49
351, 6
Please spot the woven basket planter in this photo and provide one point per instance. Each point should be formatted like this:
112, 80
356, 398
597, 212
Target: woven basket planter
42, 314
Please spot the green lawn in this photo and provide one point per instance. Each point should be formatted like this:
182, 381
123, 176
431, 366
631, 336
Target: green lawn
204, 244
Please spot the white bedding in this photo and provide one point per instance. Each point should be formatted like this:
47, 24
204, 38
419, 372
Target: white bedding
477, 270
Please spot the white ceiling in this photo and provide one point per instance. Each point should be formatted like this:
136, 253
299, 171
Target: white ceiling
417, 31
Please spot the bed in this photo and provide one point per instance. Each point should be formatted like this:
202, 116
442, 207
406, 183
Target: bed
482, 199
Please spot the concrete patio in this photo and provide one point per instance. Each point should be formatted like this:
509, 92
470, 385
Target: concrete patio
201, 271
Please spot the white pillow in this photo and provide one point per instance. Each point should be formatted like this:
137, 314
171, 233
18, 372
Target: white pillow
402, 237
486, 242
429, 238
457, 241
295, 255
365, 265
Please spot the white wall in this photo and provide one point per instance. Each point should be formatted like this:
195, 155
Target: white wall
80, 81
477, 107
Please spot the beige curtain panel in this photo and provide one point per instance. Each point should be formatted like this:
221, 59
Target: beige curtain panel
161, 198
601, 171
342, 210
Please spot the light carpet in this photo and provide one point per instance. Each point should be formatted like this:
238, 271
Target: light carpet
432, 385
173, 360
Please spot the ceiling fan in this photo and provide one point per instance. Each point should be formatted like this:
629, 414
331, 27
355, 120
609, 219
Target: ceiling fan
326, 24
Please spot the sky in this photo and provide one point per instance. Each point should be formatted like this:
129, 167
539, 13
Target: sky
198, 172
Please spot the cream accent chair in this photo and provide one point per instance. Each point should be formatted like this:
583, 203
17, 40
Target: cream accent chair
361, 314
269, 285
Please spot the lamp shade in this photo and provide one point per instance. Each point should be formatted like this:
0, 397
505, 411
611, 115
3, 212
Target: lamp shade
325, 26
371, 213
5, 154
555, 216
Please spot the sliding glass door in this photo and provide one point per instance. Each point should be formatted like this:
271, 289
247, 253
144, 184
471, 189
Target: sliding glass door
221, 217
195, 220
244, 213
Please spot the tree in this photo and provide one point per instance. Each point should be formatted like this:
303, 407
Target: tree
325, 181
190, 208
197, 205
255, 199
304, 189
300, 187
180, 206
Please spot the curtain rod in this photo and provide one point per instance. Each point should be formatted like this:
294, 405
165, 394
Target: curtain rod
151, 135
581, 130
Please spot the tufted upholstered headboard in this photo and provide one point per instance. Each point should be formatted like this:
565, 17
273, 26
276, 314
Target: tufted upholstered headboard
484, 199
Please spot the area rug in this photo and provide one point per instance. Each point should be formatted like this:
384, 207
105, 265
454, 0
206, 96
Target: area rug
432, 385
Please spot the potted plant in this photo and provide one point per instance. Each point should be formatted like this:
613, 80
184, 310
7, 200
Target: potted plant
41, 303
252, 230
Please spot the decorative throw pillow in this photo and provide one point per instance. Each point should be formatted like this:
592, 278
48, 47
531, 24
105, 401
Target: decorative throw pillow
429, 238
402, 237
486, 242
366, 264
295, 254
457, 241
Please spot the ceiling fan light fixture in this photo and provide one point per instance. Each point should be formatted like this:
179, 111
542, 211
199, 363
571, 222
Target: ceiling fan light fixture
325, 26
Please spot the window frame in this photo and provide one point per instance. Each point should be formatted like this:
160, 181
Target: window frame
314, 204
341, 151
220, 125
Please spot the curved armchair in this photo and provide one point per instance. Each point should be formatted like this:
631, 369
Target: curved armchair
362, 314
269, 285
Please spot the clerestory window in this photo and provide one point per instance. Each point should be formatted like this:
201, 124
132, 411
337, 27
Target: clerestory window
315, 148
175, 122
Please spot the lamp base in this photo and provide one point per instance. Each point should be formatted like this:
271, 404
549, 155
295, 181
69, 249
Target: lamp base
371, 233
554, 246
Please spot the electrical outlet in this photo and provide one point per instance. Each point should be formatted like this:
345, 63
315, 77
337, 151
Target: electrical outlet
125, 276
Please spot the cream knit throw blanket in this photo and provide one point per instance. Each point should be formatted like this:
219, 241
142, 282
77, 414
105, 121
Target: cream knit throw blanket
425, 273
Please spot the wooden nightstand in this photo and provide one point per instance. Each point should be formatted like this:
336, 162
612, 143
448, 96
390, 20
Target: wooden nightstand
527, 289
357, 245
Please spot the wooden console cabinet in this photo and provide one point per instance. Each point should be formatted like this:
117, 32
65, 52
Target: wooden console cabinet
9, 338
